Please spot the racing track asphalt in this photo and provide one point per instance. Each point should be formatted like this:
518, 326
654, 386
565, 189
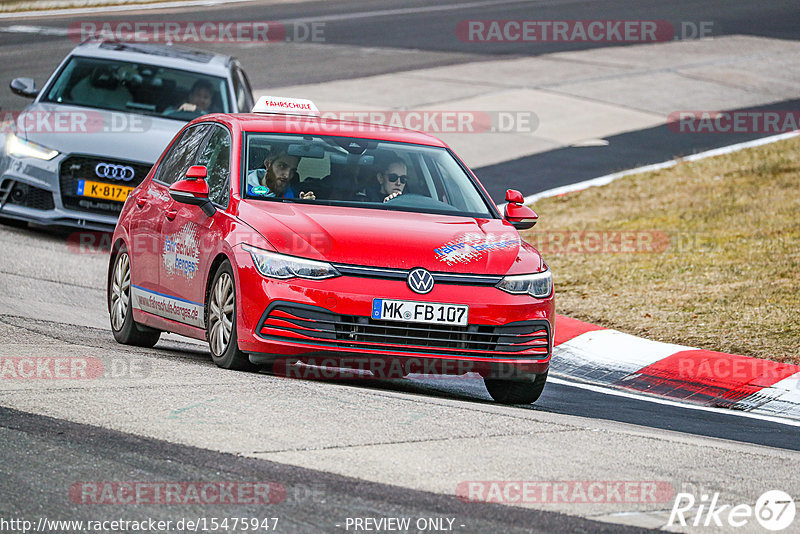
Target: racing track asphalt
44, 457
357, 44
629, 150
363, 38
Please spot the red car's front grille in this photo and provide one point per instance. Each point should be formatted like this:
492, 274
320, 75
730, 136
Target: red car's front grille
297, 323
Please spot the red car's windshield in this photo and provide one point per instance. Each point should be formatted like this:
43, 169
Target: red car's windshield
359, 172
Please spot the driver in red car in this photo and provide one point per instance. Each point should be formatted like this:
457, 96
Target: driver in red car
274, 179
391, 182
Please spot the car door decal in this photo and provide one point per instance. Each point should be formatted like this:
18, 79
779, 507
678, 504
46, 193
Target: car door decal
168, 306
181, 251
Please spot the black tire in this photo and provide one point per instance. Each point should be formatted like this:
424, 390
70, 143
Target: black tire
516, 391
224, 344
125, 329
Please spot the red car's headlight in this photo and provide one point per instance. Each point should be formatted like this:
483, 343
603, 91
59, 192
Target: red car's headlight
274, 265
539, 285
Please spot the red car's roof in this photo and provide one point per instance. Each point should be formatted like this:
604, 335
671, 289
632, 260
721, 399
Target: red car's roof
276, 123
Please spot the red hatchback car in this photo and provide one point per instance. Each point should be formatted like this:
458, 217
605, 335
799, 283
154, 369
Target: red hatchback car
280, 236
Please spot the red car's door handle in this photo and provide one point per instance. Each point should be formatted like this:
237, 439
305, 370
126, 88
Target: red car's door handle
140, 202
171, 214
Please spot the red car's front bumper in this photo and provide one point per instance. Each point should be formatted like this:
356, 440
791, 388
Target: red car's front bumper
302, 318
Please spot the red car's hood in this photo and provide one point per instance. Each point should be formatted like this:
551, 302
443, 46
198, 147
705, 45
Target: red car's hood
383, 238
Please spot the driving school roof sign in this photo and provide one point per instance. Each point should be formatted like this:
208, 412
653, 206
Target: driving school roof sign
286, 106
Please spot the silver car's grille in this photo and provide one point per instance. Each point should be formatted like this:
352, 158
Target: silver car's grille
77, 167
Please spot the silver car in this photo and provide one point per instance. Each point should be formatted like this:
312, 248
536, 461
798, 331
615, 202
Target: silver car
97, 126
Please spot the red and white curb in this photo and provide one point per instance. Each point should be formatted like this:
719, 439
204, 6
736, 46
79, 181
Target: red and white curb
596, 355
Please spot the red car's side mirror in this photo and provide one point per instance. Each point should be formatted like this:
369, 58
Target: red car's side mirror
519, 215
193, 191
512, 195
196, 172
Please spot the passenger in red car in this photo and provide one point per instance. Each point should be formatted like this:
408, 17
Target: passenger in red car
391, 182
273, 180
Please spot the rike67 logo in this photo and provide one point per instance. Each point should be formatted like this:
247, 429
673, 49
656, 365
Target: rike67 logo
774, 510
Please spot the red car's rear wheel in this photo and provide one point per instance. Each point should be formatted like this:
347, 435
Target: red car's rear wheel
124, 328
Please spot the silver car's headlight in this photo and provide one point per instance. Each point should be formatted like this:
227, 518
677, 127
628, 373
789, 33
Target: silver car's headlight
28, 149
539, 285
276, 265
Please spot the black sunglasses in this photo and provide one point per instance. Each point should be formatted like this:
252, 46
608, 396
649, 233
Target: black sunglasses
392, 177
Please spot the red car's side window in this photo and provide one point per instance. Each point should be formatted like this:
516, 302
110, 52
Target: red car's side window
182, 154
216, 157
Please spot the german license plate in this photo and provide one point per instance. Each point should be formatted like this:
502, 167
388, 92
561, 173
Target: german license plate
420, 312
87, 188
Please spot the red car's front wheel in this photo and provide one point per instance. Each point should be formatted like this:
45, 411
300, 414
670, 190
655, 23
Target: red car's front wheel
509, 391
221, 322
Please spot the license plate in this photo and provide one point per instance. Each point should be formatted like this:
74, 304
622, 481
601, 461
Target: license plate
420, 312
87, 188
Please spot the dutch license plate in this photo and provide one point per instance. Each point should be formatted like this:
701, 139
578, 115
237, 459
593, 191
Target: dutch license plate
87, 188
420, 312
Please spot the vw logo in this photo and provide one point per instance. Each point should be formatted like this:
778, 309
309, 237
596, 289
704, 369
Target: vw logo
420, 281
114, 172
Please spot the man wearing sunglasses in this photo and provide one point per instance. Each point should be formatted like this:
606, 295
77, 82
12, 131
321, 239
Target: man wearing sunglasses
392, 179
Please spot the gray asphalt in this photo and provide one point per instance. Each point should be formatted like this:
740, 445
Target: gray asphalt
44, 457
377, 36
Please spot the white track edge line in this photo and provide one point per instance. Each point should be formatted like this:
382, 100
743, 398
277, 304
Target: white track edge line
721, 411
190, 3
608, 178
118, 7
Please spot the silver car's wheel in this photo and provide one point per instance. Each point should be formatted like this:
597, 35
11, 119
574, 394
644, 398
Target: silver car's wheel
220, 316
120, 292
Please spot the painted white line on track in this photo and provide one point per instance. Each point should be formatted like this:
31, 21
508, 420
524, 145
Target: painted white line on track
125, 7
608, 178
408, 11
39, 30
676, 404
205, 3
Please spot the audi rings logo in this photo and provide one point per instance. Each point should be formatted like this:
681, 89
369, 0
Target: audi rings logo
420, 281
114, 172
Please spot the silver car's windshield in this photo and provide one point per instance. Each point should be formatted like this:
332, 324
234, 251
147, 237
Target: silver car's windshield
138, 88
359, 172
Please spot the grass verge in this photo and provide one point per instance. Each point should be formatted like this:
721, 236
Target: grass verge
705, 254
